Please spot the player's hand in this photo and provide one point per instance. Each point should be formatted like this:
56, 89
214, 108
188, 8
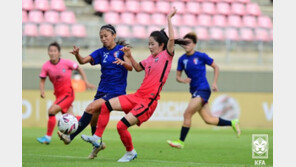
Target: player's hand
89, 85
215, 87
118, 61
127, 51
42, 95
172, 13
75, 50
187, 80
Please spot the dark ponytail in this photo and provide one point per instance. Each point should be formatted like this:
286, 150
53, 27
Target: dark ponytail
112, 29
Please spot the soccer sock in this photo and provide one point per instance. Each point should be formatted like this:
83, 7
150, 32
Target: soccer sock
223, 122
50, 124
184, 132
93, 130
103, 118
78, 117
83, 122
125, 136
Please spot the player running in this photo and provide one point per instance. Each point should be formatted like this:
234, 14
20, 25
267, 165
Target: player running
59, 72
114, 66
194, 64
140, 105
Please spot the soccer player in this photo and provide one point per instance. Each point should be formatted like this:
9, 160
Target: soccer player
194, 64
114, 66
59, 72
140, 105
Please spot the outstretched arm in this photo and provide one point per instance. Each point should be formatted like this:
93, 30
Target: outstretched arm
80, 59
128, 54
126, 62
84, 78
216, 75
171, 42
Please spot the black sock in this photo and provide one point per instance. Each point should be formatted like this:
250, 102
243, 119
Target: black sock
83, 122
184, 132
223, 122
93, 129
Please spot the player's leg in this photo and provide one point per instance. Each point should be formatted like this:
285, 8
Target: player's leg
94, 121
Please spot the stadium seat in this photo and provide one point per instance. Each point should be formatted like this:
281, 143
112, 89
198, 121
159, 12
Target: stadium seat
127, 18
238, 9
208, 8
152, 28
158, 19
163, 7
46, 30
123, 31
193, 7
176, 32
101, 6
189, 20
111, 18
147, 6
117, 6
139, 32
177, 20
132, 6
68, 17
223, 8
202, 33
183, 31
52, 16
249, 21
62, 30
180, 6
219, 21
262, 35
231, 34
41, 5
234, 21
24, 16
246, 34
58, 5
216, 34
78, 30
27, 5
143, 19
36, 16
204, 20
30, 30
264, 22
253, 9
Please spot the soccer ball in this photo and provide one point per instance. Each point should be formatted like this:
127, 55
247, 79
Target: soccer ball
67, 124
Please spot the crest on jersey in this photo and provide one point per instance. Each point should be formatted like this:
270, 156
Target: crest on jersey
195, 60
156, 59
116, 54
185, 61
64, 70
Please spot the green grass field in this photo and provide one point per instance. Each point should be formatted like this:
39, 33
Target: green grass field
214, 147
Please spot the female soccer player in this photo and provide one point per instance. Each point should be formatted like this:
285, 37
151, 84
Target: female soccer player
114, 66
194, 64
59, 71
140, 105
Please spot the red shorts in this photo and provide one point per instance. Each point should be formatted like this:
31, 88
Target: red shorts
65, 101
139, 107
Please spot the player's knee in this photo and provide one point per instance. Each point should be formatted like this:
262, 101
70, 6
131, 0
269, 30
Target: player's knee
187, 115
123, 124
90, 109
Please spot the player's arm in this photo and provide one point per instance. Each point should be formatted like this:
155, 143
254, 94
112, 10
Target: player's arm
179, 78
216, 75
80, 59
41, 86
84, 78
171, 42
126, 63
128, 54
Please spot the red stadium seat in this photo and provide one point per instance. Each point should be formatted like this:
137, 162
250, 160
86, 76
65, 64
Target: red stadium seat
163, 7
139, 32
264, 22
180, 6
123, 31
24, 16
177, 20
189, 20
262, 35
52, 17
68, 17
223, 8
62, 30
78, 30
208, 8
231, 34
143, 19
219, 21
202, 33
27, 5
216, 34
127, 18
117, 6
101, 6
46, 30
234, 21
36, 16
41, 5
250, 21
193, 7
147, 6
204, 20
152, 28
58, 5
238, 9
111, 18
183, 31
253, 9
132, 6
246, 34
30, 30
158, 19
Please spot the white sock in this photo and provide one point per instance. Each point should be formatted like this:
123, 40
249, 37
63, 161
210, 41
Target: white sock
48, 137
97, 137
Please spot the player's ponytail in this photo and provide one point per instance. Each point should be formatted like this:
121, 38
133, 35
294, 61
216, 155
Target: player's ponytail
112, 29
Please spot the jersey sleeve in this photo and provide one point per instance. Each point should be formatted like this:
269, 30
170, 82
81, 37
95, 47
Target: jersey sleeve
143, 63
43, 72
96, 57
72, 65
208, 60
180, 66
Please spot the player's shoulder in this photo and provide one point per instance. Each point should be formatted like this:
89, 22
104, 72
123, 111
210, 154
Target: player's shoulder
200, 54
46, 64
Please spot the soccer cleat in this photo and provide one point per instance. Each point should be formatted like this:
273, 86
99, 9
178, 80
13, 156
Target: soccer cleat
66, 138
96, 150
176, 144
235, 126
128, 156
92, 140
43, 140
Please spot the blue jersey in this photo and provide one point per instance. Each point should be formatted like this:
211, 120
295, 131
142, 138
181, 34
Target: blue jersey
195, 69
113, 77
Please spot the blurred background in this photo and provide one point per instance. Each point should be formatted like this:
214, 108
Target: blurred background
237, 34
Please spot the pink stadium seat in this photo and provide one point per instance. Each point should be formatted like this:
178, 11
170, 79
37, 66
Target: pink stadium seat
223, 8
243, 1
264, 22
111, 18
58, 5
262, 35
180, 6
68, 17
177, 20
101, 6
231, 34
158, 19
238, 9
52, 17
147, 6
176, 32
78, 30
202, 33
250, 21
189, 20
117, 5
62, 30
204, 20
36, 16
246, 34
132, 6
253, 9
143, 19
163, 6
152, 28
30, 30
127, 18
41, 5
139, 32
193, 7
46, 30
24, 16
27, 5
219, 21
217, 34
208, 8
123, 31
234, 21
183, 31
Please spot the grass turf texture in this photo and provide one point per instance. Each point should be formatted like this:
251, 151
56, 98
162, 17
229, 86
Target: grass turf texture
202, 148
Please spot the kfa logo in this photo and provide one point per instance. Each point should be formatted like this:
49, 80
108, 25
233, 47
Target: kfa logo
116, 54
64, 70
156, 59
195, 60
259, 148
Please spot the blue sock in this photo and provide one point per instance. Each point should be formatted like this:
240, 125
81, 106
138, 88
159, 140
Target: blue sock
184, 132
93, 130
83, 122
223, 122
